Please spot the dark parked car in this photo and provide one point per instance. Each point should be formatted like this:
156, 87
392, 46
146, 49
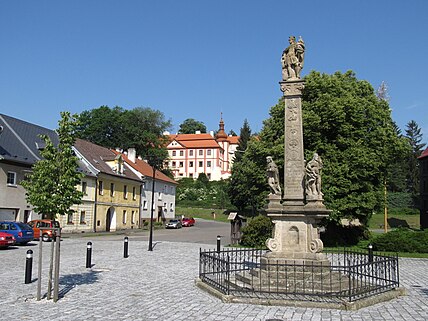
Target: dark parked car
6, 240
173, 224
188, 221
23, 233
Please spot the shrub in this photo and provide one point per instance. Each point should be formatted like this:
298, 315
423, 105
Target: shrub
257, 231
338, 235
402, 240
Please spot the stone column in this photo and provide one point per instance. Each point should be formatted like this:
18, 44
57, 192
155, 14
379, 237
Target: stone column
294, 162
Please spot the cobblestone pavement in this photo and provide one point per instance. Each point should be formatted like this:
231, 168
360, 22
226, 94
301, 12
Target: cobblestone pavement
160, 285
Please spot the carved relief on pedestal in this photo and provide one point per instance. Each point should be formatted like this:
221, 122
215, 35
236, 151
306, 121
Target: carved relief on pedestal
274, 244
316, 246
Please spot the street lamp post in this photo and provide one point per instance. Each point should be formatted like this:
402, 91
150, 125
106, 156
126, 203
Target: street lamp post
151, 210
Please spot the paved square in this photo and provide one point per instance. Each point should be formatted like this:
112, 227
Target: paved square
159, 285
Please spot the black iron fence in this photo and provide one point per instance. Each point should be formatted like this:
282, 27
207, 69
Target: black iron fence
345, 275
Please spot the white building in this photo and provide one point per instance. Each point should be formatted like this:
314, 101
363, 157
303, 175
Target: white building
193, 154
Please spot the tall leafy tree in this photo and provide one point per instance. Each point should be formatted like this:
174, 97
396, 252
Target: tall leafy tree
190, 126
51, 187
353, 132
141, 128
102, 126
414, 137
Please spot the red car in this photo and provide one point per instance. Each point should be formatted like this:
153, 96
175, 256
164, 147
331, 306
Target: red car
188, 221
6, 240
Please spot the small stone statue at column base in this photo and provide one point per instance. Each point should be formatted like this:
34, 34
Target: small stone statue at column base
313, 178
273, 177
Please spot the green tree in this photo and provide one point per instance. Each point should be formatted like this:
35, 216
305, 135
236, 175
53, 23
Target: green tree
51, 187
140, 127
414, 137
102, 126
190, 126
244, 137
349, 127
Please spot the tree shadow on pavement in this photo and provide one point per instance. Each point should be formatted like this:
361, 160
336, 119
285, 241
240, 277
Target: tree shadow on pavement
69, 282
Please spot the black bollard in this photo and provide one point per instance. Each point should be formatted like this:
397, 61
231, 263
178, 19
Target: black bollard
125, 247
28, 266
370, 253
88, 255
218, 243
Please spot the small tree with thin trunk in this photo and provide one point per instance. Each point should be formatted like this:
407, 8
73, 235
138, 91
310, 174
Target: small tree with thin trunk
51, 187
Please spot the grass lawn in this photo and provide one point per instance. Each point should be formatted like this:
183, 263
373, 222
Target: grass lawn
204, 213
394, 221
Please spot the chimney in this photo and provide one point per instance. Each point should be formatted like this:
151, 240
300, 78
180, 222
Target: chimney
132, 154
212, 133
197, 132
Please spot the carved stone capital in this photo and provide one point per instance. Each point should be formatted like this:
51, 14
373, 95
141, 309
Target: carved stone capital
292, 88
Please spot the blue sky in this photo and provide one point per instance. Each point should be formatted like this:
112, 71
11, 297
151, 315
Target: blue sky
198, 58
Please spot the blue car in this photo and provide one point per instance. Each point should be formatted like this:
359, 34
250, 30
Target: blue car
22, 232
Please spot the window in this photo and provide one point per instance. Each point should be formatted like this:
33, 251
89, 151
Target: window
190, 164
144, 205
201, 164
134, 193
209, 152
174, 164
171, 207
164, 207
181, 164
11, 178
124, 217
208, 163
133, 217
174, 153
70, 218
100, 187
125, 191
82, 217
84, 188
191, 152
201, 152
191, 175
209, 176
111, 189
181, 153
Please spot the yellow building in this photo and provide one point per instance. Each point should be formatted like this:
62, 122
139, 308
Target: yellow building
114, 191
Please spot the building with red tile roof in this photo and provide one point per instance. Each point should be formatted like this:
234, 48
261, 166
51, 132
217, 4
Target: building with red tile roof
193, 154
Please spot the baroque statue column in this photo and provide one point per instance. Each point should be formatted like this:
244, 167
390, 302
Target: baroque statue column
296, 214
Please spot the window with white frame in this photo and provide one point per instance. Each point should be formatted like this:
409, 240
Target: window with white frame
190, 164
11, 178
209, 152
124, 217
208, 163
174, 153
133, 217
70, 218
144, 205
201, 152
125, 191
171, 207
201, 164
82, 217
191, 152
134, 193
181, 152
181, 164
